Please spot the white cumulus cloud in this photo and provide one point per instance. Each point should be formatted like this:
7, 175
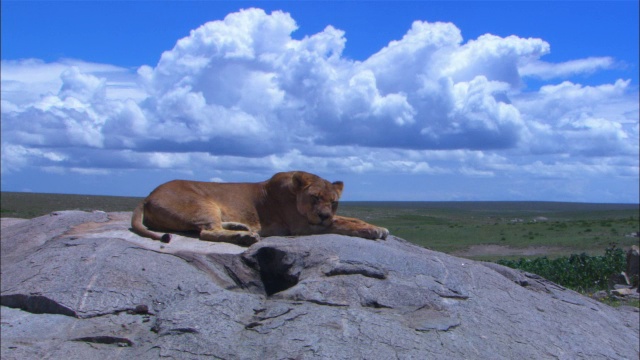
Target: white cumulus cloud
241, 92
547, 70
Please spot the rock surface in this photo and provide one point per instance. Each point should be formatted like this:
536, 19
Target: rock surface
78, 285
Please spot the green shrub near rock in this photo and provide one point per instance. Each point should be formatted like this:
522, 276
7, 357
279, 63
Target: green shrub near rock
581, 272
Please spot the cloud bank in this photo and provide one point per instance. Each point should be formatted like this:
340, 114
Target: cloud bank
241, 93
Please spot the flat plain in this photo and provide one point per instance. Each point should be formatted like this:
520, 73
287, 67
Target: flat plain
477, 230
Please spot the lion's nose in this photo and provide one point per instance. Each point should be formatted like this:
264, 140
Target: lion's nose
324, 216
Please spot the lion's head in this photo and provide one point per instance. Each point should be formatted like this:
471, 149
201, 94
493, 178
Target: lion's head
316, 198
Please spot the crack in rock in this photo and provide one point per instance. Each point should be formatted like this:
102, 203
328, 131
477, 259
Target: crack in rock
355, 268
109, 340
179, 331
325, 303
38, 304
35, 304
374, 304
271, 313
275, 320
451, 294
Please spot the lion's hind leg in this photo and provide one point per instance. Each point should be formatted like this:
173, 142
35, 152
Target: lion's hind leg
236, 226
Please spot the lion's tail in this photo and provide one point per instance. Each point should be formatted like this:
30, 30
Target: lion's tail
138, 227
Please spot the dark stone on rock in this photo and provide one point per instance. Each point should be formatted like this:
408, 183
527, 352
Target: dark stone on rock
83, 286
141, 309
166, 238
599, 295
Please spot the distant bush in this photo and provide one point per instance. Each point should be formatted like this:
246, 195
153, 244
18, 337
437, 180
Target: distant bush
582, 272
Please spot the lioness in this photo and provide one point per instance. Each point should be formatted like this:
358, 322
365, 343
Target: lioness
290, 203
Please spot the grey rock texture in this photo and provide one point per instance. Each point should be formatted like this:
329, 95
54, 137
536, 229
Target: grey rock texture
79, 285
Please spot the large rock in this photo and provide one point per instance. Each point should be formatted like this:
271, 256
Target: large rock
79, 285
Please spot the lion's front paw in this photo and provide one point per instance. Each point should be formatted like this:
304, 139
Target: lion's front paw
374, 233
379, 233
384, 232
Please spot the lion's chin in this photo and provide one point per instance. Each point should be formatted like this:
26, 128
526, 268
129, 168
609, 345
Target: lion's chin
321, 223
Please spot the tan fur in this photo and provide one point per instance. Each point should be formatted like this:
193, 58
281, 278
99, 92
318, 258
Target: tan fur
290, 203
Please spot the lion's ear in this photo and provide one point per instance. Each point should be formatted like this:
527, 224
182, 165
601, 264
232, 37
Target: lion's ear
338, 186
298, 181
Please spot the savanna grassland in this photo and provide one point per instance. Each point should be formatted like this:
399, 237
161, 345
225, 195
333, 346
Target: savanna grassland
492, 230
30, 205
479, 230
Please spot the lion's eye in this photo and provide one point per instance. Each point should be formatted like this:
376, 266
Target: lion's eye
315, 198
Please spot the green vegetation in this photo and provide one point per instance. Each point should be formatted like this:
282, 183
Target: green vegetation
560, 229
583, 273
30, 205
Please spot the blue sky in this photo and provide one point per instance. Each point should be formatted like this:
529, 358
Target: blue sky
415, 100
